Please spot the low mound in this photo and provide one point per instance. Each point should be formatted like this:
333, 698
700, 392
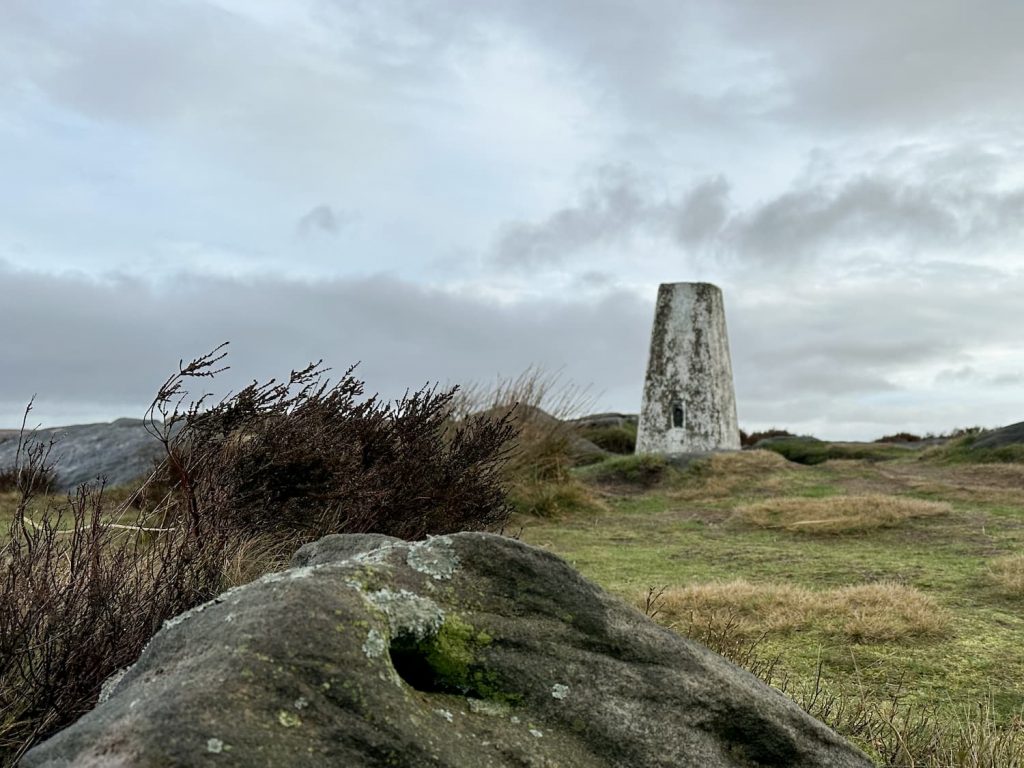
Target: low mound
741, 472
1000, 438
838, 514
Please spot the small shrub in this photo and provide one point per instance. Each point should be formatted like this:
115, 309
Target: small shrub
31, 473
752, 439
81, 592
553, 499
620, 440
900, 437
644, 471
12, 478
837, 514
308, 457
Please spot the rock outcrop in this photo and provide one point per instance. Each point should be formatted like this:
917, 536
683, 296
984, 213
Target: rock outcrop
470, 650
118, 452
998, 438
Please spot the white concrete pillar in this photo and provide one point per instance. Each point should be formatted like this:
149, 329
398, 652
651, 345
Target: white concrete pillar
689, 403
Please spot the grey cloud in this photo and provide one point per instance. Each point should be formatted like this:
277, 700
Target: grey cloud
929, 211
874, 63
322, 219
835, 359
104, 346
703, 212
963, 374
609, 212
1007, 380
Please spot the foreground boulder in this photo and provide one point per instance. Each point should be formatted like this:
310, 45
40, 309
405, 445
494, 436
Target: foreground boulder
469, 650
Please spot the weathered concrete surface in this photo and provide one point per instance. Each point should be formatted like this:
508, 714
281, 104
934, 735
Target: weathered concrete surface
689, 404
118, 452
464, 651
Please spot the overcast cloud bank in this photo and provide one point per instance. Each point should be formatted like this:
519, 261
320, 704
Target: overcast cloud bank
451, 191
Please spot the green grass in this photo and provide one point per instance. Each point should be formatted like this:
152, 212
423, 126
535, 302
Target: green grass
614, 439
686, 533
962, 451
804, 451
638, 471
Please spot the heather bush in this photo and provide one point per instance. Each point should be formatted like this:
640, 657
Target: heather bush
308, 457
82, 589
752, 439
86, 581
900, 437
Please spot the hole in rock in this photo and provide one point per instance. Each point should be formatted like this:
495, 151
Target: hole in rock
411, 659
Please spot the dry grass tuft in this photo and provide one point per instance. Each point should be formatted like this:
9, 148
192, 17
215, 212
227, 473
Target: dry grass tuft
838, 514
253, 557
750, 608
1007, 573
885, 612
540, 405
540, 497
867, 613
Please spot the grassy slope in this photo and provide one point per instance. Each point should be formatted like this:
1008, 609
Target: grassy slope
683, 532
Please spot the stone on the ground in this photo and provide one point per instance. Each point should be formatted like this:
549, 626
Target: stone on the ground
997, 438
463, 651
118, 452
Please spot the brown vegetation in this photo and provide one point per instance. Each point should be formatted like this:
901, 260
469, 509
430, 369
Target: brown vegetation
1007, 573
863, 613
87, 580
838, 514
724, 475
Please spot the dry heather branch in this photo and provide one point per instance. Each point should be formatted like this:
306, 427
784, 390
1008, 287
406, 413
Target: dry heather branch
307, 456
79, 599
85, 584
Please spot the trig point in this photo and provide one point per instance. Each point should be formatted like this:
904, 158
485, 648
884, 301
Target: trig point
689, 405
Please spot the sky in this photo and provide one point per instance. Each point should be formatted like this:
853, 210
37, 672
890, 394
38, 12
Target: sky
456, 190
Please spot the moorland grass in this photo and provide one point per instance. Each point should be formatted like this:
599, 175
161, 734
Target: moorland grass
911, 612
838, 514
1007, 573
963, 451
809, 451
863, 613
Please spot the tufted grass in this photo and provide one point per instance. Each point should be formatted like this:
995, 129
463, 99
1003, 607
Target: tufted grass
877, 612
908, 628
1007, 573
838, 514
